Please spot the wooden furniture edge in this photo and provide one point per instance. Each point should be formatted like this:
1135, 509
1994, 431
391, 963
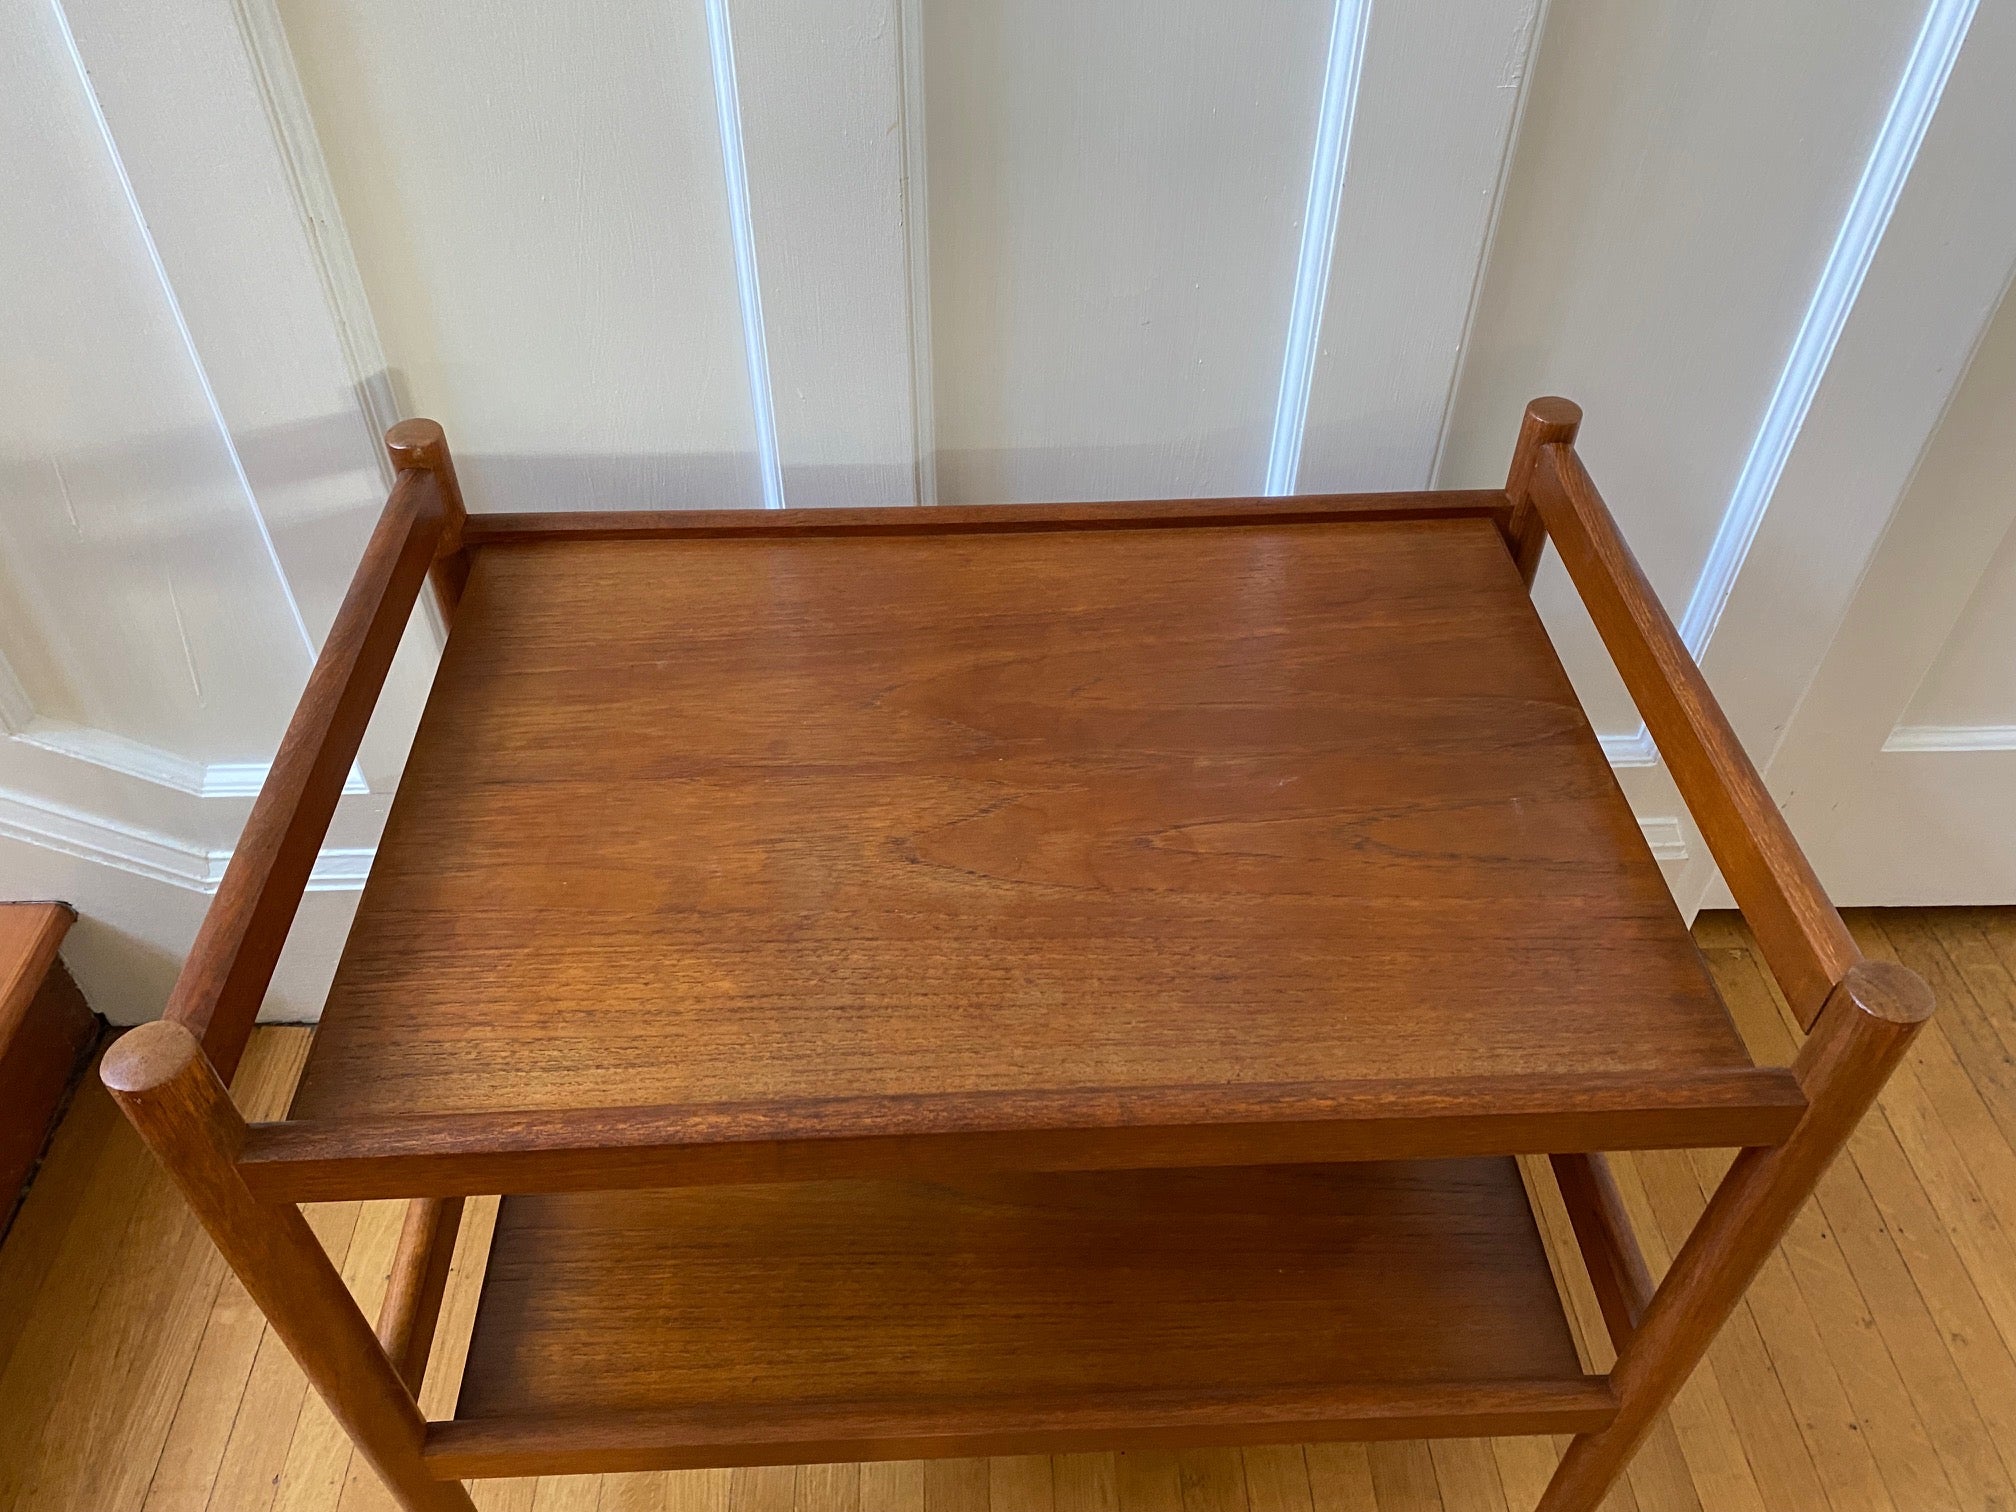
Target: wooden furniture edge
170, 1091
1869, 1021
419, 1280
1616, 1265
984, 519
586, 1149
168, 1077
420, 446
46, 1032
1861, 1015
1547, 421
1798, 930
820, 1432
224, 980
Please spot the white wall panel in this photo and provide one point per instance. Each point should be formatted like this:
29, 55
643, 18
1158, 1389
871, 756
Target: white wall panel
1912, 799
535, 197
203, 100
1115, 194
1439, 90
1681, 173
1973, 683
140, 600
1950, 555
823, 121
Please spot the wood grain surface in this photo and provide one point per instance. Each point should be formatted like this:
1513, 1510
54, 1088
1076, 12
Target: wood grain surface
46, 1028
1026, 1311
1807, 946
990, 519
1871, 1367
746, 823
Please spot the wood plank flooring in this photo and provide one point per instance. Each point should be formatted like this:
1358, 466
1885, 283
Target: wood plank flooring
1873, 1367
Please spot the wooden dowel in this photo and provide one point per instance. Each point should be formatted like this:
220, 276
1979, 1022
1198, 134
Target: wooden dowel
419, 1278
1801, 935
1617, 1268
420, 445
1866, 1026
1548, 421
158, 1074
222, 983
873, 521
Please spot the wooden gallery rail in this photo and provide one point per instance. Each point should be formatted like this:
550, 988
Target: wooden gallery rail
906, 966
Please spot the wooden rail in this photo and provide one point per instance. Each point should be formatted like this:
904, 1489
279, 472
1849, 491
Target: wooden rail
419, 1279
1617, 1268
1548, 422
1862, 1015
1868, 1023
218, 993
987, 519
1802, 937
167, 1087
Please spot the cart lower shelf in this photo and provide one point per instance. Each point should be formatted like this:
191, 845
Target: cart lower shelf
1008, 1314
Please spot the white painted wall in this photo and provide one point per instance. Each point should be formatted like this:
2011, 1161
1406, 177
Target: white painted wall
1899, 767
866, 251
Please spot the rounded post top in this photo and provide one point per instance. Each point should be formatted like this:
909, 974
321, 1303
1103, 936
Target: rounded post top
1884, 990
417, 444
1558, 418
148, 1057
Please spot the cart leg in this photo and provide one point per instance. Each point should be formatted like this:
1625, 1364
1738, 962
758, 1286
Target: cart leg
1862, 1032
419, 444
158, 1074
1547, 421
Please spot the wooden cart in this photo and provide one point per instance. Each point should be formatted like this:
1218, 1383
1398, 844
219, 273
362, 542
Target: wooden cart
1020, 979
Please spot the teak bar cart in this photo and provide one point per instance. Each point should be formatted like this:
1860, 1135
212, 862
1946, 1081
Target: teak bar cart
1015, 979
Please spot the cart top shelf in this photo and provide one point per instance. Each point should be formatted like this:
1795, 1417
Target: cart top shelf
790, 852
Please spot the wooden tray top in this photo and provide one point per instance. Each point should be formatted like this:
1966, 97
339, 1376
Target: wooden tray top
787, 855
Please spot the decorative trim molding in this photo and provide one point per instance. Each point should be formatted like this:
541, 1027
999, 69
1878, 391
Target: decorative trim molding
115, 753
1869, 209
742, 233
1951, 738
1636, 750
174, 307
271, 59
1668, 841
88, 837
1519, 71
1319, 240
147, 853
1884, 174
243, 779
917, 245
133, 758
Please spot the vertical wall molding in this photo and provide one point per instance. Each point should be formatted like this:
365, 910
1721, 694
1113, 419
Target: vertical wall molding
174, 307
741, 231
271, 60
917, 246
1883, 177
17, 709
1519, 71
1342, 68
1884, 174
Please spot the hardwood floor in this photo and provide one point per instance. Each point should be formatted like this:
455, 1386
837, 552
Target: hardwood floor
1873, 1366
